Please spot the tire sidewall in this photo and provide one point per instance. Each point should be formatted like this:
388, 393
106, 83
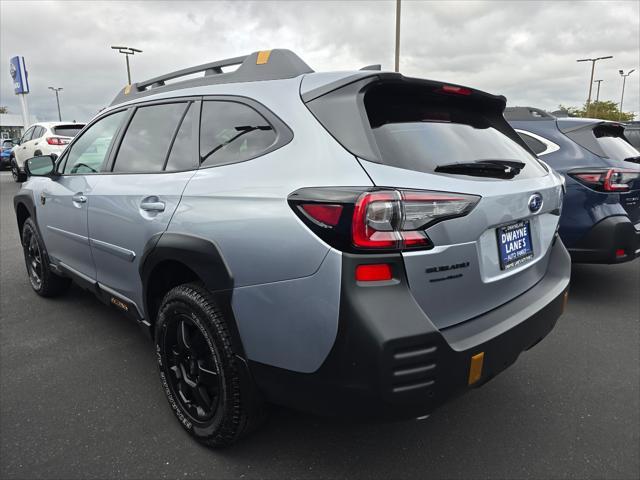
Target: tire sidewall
177, 305
30, 228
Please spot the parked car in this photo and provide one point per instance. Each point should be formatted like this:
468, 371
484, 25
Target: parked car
356, 243
632, 133
601, 218
5, 153
47, 138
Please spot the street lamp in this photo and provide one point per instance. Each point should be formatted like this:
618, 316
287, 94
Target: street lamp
127, 51
593, 67
624, 80
597, 96
397, 65
57, 89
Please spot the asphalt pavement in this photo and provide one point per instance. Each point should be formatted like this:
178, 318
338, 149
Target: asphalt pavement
80, 398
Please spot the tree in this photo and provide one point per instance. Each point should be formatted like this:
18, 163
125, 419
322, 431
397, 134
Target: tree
4, 109
603, 110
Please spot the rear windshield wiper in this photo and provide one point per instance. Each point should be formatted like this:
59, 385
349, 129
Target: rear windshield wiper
506, 169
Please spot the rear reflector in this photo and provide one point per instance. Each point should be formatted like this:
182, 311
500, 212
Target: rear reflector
475, 368
373, 272
325, 214
620, 252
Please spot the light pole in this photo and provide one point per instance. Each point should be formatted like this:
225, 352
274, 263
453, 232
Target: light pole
127, 51
597, 96
593, 67
624, 80
57, 89
397, 36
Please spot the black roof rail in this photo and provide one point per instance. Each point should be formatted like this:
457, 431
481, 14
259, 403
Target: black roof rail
526, 114
263, 65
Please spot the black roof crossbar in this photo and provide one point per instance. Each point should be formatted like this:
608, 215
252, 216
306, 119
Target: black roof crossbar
274, 64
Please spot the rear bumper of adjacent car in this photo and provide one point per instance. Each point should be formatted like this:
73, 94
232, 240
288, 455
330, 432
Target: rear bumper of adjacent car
390, 361
612, 240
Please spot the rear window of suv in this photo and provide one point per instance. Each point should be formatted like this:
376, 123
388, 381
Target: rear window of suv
67, 130
613, 144
420, 131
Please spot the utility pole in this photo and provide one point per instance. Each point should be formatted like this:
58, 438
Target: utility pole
57, 89
624, 80
397, 36
593, 67
597, 96
127, 51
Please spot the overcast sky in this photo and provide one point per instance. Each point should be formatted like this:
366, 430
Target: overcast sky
526, 51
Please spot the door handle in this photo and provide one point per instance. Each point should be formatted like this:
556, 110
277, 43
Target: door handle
79, 198
152, 206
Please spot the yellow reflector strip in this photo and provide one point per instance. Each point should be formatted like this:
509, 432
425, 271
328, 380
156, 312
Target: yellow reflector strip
475, 369
263, 57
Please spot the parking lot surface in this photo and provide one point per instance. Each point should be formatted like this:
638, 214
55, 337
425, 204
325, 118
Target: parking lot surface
80, 398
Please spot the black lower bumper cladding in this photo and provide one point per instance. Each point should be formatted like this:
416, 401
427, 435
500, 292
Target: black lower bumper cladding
612, 240
390, 361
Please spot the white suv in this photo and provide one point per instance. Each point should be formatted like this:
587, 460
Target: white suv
44, 138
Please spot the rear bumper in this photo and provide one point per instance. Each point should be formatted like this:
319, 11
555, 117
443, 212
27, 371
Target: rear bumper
602, 243
390, 361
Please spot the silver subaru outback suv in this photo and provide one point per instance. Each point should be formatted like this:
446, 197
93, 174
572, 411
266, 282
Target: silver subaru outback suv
344, 243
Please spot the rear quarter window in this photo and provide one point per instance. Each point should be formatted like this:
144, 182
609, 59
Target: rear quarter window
232, 132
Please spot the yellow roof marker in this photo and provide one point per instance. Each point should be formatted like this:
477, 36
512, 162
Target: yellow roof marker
263, 57
475, 369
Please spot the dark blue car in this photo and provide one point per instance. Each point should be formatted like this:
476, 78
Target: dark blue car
600, 220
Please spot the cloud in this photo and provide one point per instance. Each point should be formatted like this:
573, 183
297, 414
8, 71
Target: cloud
523, 50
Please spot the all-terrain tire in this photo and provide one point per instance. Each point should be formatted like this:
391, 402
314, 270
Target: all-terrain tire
43, 280
192, 339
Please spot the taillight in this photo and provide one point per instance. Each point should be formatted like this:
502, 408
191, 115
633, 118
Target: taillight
606, 180
380, 220
57, 141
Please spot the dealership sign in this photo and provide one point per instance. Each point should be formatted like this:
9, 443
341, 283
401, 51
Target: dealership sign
19, 75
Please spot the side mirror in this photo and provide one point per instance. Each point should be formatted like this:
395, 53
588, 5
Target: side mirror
42, 166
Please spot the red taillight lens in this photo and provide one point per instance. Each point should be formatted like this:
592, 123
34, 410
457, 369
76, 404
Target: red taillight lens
394, 219
620, 252
607, 180
57, 141
373, 272
325, 214
355, 219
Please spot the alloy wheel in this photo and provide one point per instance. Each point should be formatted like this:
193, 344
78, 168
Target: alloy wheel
192, 369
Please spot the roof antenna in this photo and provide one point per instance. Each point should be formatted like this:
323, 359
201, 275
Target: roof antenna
377, 66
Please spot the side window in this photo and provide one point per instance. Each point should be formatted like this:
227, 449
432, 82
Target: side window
533, 143
232, 132
38, 132
27, 135
145, 145
88, 152
184, 151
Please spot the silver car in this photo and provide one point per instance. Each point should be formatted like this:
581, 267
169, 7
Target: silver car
344, 243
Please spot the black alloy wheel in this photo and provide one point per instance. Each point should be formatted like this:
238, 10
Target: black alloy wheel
193, 369
33, 258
